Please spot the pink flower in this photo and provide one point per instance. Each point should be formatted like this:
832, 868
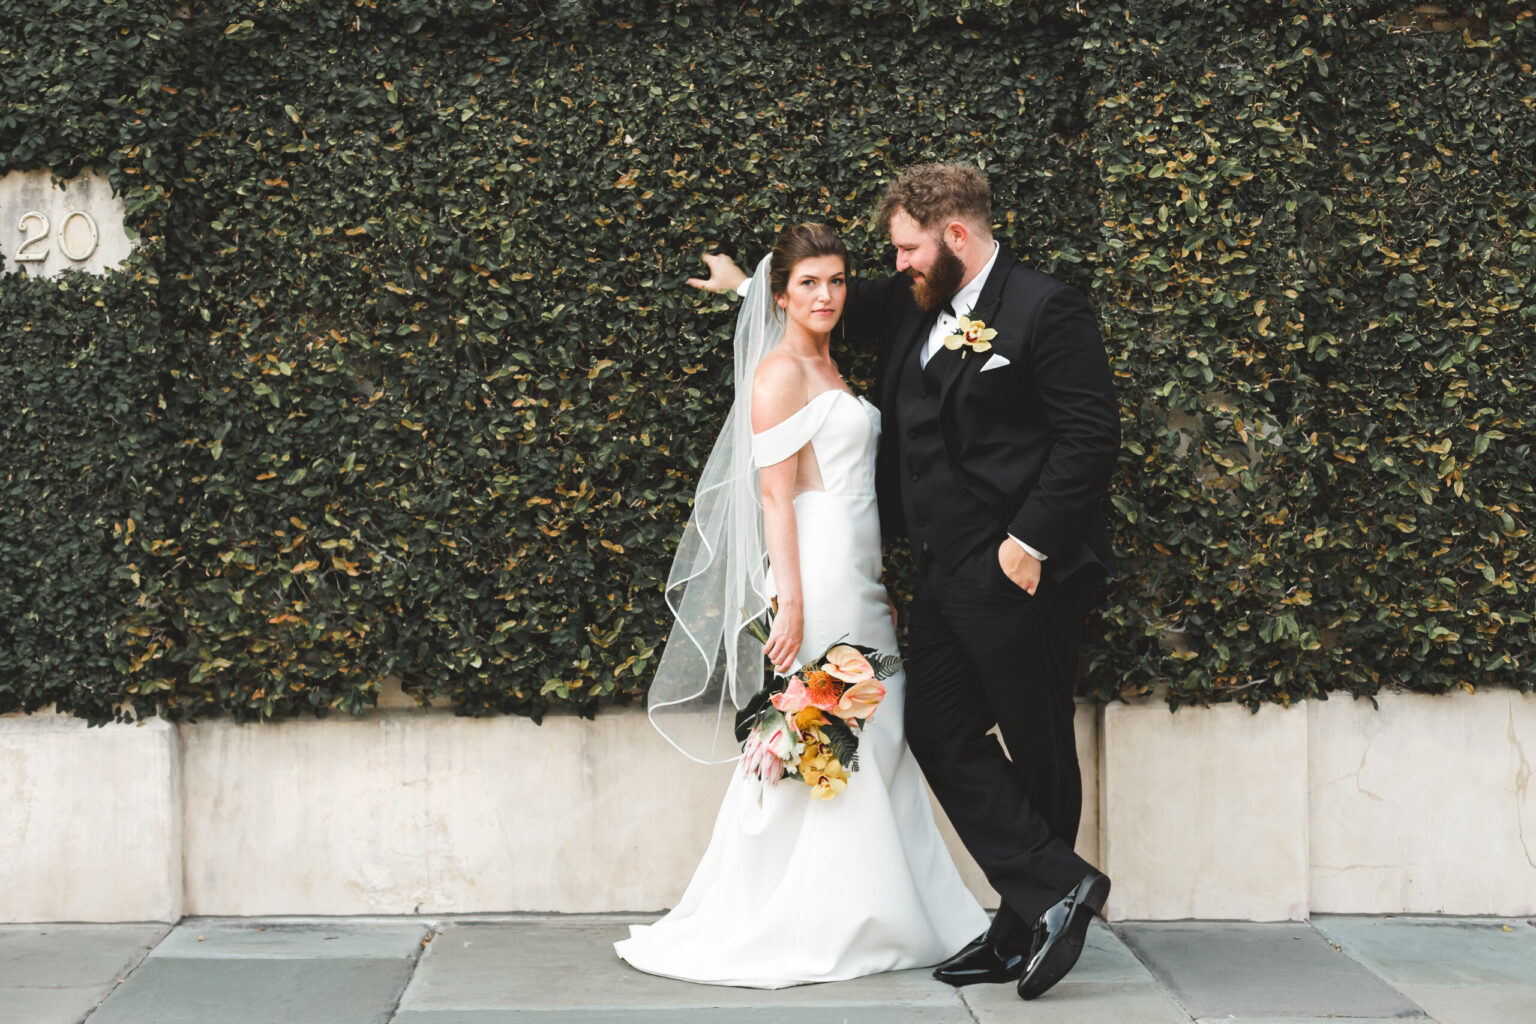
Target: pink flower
794, 697
770, 769
750, 747
859, 702
846, 663
778, 741
766, 748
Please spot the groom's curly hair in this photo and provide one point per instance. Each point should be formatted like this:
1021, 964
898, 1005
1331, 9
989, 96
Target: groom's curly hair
934, 194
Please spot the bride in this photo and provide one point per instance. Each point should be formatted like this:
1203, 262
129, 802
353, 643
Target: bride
793, 889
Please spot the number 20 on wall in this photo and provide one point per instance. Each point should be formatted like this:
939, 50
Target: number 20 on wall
34, 228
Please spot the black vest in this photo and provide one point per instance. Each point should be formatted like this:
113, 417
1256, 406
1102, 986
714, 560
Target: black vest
942, 514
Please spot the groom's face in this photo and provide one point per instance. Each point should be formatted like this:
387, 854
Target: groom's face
926, 258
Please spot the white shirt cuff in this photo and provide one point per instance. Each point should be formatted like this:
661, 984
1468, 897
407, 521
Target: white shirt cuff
741, 289
1032, 552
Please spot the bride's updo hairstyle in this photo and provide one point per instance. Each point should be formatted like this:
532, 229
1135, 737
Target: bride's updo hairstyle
802, 242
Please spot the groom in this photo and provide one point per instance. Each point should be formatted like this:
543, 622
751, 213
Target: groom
999, 436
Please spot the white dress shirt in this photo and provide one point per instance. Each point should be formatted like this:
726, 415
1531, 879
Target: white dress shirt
948, 322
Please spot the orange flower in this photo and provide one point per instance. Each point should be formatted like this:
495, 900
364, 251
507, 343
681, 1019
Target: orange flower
823, 690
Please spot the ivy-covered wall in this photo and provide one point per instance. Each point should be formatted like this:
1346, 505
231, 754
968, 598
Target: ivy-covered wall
403, 377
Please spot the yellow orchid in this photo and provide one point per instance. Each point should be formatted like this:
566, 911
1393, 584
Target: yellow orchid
828, 786
807, 718
821, 770
973, 334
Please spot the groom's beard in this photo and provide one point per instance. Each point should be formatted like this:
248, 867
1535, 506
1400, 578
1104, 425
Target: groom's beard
942, 281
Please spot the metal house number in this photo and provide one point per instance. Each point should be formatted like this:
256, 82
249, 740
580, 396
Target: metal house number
34, 229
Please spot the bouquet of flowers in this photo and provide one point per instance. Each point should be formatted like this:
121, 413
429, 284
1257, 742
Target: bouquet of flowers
806, 725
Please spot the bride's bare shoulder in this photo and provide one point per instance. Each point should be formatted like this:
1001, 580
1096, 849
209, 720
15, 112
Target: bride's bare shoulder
778, 390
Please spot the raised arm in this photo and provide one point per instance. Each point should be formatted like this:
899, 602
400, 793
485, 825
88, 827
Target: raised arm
724, 274
870, 317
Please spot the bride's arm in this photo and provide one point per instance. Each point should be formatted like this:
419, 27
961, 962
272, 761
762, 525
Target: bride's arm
778, 392
724, 274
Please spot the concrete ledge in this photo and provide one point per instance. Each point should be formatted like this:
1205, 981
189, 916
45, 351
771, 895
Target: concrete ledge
423, 812
1424, 806
413, 812
1205, 812
90, 821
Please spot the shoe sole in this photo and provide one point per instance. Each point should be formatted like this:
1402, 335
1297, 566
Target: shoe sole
1062, 956
980, 979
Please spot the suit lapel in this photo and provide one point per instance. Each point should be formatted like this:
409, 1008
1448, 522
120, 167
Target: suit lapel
992, 290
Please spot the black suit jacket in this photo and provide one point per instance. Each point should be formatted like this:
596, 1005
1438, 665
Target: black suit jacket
1037, 439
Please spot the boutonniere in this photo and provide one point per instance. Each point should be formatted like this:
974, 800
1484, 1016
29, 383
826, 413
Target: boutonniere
973, 335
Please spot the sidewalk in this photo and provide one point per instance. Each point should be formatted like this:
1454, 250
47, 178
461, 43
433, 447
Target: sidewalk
562, 970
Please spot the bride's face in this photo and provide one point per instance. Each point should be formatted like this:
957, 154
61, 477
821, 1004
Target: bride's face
814, 296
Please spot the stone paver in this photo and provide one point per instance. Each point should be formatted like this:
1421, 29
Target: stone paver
529, 966
1330, 1019
1469, 1004
1108, 984
56, 973
279, 940
882, 1014
72, 955
1261, 970
270, 972
1438, 951
1077, 1002
1461, 971
49, 1005
190, 990
556, 970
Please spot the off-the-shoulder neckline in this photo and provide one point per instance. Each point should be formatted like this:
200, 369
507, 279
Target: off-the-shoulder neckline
812, 401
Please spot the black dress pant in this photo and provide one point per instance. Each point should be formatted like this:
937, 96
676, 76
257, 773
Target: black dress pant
982, 651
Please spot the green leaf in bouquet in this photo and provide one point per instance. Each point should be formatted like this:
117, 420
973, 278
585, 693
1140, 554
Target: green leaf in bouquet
748, 716
844, 743
885, 665
758, 627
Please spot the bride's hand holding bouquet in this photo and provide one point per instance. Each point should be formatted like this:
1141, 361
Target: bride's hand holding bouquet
785, 637
806, 725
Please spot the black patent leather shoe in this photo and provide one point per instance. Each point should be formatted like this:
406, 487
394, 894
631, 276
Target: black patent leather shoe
1059, 935
980, 962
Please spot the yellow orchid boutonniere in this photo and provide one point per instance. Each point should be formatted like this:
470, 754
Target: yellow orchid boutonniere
973, 335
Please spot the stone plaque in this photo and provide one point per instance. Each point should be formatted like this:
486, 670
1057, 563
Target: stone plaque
46, 229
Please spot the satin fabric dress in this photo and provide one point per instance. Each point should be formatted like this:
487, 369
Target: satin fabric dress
792, 889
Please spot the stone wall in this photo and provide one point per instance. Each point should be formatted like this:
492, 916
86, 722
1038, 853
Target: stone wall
1423, 806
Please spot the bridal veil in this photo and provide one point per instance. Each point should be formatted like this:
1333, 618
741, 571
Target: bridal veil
712, 664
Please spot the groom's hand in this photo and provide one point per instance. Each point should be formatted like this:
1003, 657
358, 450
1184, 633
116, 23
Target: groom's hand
724, 274
1019, 565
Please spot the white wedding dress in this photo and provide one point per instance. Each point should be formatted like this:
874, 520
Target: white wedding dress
793, 889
